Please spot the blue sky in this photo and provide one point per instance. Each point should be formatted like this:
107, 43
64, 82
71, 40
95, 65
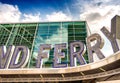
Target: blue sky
39, 5
42, 6
48, 10
97, 13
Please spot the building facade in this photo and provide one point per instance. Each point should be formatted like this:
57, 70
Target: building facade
33, 35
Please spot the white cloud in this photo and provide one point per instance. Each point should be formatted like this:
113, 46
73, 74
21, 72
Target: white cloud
31, 18
10, 13
101, 1
58, 16
98, 16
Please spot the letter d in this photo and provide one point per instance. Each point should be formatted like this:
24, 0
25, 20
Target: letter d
20, 57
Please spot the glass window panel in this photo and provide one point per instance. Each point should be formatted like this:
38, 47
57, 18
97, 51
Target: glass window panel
79, 23
32, 35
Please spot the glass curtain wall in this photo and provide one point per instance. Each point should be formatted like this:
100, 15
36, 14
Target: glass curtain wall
33, 35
